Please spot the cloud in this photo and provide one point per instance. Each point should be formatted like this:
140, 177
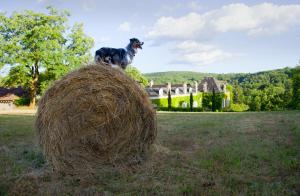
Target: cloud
185, 27
191, 52
264, 18
261, 19
125, 26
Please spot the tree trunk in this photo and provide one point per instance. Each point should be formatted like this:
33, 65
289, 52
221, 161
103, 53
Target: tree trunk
34, 84
32, 95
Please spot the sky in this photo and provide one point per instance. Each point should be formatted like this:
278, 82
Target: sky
188, 35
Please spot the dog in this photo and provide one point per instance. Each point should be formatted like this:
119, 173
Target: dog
121, 56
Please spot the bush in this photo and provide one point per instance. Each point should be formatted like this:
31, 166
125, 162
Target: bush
238, 107
178, 109
22, 101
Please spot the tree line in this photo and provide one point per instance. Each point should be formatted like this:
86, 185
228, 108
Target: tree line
262, 91
267, 91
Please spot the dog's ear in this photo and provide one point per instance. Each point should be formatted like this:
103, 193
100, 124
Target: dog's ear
132, 39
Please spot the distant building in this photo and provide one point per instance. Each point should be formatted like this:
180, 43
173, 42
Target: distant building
8, 97
181, 92
161, 91
208, 84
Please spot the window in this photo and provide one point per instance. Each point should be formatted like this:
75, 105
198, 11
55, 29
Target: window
161, 92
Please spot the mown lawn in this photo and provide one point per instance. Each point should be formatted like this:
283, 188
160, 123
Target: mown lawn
196, 153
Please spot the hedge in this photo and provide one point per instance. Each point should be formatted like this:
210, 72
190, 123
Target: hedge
177, 101
176, 104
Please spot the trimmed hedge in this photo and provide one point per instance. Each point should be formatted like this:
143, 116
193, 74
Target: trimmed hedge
238, 107
22, 101
177, 101
203, 99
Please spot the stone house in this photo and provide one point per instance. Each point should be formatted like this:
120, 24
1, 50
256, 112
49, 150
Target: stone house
159, 93
9, 96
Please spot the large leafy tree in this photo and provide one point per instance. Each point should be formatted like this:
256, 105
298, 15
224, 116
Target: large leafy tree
296, 88
135, 74
38, 44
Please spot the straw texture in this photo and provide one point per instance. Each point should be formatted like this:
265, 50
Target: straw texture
94, 117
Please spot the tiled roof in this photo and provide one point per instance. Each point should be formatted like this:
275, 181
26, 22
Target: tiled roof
211, 84
9, 97
12, 93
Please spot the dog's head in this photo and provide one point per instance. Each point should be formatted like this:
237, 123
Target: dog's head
135, 43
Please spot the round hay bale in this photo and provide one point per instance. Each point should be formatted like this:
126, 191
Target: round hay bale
94, 117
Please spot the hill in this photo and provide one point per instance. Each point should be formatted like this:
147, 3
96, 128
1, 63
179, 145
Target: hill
266, 90
176, 76
188, 76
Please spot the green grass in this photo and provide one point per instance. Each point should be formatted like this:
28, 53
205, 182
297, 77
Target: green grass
198, 154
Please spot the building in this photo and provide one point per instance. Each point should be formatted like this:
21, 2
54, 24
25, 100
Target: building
181, 93
9, 96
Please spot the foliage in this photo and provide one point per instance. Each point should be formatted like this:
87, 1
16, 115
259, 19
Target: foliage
296, 88
22, 101
38, 43
177, 101
169, 100
213, 101
191, 101
229, 90
239, 107
176, 76
263, 91
210, 98
135, 74
180, 109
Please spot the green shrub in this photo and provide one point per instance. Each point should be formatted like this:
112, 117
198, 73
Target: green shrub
179, 109
177, 101
22, 101
238, 107
211, 101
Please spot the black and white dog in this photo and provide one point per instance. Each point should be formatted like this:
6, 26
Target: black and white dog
121, 56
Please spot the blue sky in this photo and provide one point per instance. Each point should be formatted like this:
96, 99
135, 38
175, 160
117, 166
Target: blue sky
203, 36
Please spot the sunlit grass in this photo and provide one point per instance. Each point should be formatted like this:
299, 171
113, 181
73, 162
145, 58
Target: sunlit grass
204, 153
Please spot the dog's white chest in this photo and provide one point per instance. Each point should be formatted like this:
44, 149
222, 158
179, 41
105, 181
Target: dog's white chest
128, 59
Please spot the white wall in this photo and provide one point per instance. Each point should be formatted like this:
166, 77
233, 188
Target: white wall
7, 106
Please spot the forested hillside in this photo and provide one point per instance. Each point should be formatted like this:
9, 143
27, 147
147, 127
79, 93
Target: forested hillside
262, 91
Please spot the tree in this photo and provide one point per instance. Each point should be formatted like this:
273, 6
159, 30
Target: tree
191, 101
213, 100
135, 74
169, 100
238, 96
296, 88
38, 43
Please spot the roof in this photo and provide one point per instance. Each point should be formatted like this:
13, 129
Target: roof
9, 97
177, 85
157, 86
7, 94
211, 84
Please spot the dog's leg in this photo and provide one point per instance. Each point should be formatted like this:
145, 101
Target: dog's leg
97, 59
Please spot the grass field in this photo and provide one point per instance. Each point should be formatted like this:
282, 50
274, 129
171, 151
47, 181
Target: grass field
197, 153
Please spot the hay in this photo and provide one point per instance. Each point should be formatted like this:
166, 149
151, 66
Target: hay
94, 117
